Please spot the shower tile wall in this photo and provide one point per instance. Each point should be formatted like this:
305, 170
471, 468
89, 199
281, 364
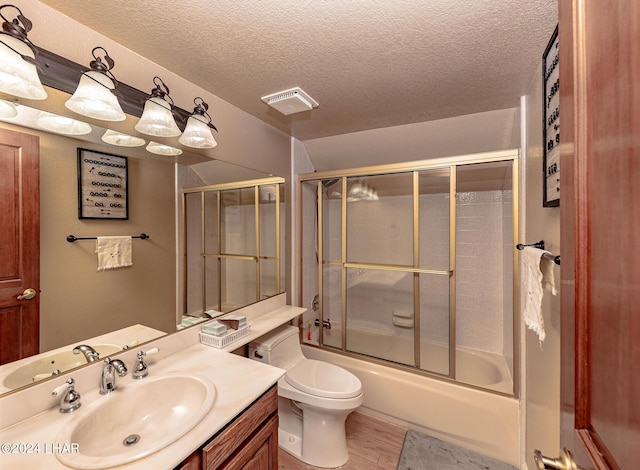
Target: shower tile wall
332, 273
193, 243
380, 232
434, 254
238, 238
480, 270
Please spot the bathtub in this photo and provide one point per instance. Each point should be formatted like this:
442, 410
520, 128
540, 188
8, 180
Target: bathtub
474, 419
480, 368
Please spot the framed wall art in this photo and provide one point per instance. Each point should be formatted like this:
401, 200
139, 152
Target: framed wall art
102, 186
551, 123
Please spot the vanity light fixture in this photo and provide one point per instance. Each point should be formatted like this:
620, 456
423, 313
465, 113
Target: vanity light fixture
198, 133
94, 92
18, 73
62, 124
162, 149
94, 96
121, 139
157, 118
7, 109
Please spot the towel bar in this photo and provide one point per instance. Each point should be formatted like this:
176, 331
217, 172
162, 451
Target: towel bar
540, 245
73, 238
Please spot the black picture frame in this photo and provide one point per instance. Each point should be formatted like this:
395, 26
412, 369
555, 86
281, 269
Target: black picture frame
551, 123
103, 191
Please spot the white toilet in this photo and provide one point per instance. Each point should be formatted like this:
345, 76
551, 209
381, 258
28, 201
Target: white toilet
314, 399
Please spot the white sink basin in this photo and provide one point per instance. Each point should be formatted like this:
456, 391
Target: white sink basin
44, 365
135, 421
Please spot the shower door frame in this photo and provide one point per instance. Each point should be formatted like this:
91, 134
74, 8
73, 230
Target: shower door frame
415, 168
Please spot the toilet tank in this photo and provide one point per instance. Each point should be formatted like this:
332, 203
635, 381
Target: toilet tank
279, 347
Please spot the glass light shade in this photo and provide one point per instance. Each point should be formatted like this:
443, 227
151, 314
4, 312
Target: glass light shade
62, 124
197, 134
93, 98
18, 77
157, 119
121, 139
162, 149
7, 110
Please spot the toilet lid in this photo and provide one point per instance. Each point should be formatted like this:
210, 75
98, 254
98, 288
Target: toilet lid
322, 379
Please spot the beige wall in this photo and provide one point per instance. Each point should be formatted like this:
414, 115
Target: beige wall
541, 379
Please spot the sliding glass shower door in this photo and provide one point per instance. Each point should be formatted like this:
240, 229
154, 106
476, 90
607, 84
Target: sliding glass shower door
378, 267
414, 266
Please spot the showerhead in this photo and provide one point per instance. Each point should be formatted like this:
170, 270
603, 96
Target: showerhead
331, 182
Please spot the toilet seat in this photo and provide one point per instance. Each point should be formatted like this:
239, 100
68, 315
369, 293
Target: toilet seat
323, 379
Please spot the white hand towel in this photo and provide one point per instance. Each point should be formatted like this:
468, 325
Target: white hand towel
548, 281
113, 252
533, 281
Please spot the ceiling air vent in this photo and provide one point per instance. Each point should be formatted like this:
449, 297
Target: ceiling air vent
290, 101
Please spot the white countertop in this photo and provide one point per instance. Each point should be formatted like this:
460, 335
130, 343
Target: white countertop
262, 324
31, 416
238, 382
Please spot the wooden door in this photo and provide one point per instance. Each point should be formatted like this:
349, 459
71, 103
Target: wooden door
600, 231
19, 244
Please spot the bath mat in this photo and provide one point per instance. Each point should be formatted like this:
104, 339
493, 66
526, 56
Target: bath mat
422, 452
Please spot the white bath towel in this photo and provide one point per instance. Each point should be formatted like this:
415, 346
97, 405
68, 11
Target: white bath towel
113, 252
536, 274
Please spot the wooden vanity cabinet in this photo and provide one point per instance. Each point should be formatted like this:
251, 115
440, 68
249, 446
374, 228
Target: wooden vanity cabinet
249, 442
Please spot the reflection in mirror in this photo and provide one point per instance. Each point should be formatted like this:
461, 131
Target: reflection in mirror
78, 304
234, 239
51, 363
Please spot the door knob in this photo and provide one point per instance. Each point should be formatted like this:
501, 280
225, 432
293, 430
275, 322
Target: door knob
28, 294
564, 462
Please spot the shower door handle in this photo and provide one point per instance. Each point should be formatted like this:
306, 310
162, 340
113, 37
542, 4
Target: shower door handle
564, 462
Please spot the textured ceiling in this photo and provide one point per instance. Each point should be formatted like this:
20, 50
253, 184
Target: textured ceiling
369, 63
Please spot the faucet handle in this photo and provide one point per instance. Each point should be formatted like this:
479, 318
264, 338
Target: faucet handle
70, 400
140, 371
130, 345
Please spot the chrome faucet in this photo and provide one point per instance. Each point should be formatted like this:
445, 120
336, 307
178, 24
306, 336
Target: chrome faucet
70, 399
90, 354
108, 377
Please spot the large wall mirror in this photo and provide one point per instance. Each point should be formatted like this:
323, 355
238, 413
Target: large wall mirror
126, 307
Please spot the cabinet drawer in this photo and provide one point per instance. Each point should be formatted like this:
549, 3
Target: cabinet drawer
223, 446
